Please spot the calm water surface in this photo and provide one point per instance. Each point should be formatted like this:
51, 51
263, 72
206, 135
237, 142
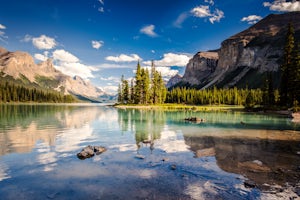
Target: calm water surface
210, 160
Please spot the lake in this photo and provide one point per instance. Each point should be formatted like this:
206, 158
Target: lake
151, 154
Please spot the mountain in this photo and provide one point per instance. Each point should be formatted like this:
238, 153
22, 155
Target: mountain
20, 67
246, 58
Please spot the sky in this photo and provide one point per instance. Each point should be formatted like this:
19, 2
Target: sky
101, 40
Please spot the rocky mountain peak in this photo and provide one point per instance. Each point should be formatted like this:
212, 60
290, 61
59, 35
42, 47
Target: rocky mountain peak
200, 66
245, 57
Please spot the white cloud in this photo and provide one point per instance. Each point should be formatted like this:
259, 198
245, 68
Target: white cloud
3, 37
70, 65
217, 16
166, 72
115, 66
101, 1
149, 30
27, 38
44, 42
124, 58
171, 59
201, 11
64, 56
110, 89
180, 19
73, 69
283, 5
2, 26
40, 57
97, 44
211, 2
111, 78
205, 12
251, 19
101, 9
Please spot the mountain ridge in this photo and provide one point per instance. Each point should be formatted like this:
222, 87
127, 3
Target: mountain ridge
245, 58
20, 65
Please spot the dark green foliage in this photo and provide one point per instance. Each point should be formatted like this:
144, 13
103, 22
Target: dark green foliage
290, 71
10, 92
46, 82
147, 89
214, 96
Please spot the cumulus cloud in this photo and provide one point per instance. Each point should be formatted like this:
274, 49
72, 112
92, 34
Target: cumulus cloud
40, 57
2, 26
73, 69
149, 30
166, 72
283, 5
124, 58
171, 59
97, 44
203, 11
251, 19
64, 56
69, 64
44, 42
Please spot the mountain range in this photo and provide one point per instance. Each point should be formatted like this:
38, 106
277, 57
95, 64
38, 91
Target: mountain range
19, 67
244, 59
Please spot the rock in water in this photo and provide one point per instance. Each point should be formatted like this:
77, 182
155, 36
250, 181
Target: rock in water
98, 149
90, 151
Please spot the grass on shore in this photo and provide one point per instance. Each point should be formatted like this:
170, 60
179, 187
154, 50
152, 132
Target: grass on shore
181, 107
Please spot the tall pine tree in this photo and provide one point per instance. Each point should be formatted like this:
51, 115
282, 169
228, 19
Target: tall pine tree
286, 68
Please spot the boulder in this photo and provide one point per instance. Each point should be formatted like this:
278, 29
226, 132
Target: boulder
90, 151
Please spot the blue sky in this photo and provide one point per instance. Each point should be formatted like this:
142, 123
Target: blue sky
100, 40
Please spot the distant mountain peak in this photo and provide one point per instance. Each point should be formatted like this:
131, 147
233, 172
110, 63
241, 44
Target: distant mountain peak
21, 64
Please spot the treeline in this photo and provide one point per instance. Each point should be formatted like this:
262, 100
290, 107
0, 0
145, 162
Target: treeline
145, 88
16, 93
232, 96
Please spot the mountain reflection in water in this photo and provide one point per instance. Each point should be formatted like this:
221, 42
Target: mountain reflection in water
179, 160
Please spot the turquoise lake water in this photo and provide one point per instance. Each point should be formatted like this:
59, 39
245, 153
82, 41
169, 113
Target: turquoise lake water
150, 154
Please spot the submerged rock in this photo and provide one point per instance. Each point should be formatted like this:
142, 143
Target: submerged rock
140, 156
194, 119
90, 151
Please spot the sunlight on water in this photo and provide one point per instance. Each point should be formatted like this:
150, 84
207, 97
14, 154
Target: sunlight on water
150, 154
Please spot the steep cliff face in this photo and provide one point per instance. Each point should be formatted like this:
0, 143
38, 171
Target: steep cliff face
21, 65
201, 66
174, 80
245, 58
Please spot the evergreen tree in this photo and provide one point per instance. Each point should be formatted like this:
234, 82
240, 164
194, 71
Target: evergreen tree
125, 92
295, 75
286, 67
138, 85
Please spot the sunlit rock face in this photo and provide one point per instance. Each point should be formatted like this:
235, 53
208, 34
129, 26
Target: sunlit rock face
201, 66
267, 156
244, 57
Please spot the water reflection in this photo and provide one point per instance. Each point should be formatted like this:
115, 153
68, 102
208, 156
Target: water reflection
265, 157
38, 146
22, 126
